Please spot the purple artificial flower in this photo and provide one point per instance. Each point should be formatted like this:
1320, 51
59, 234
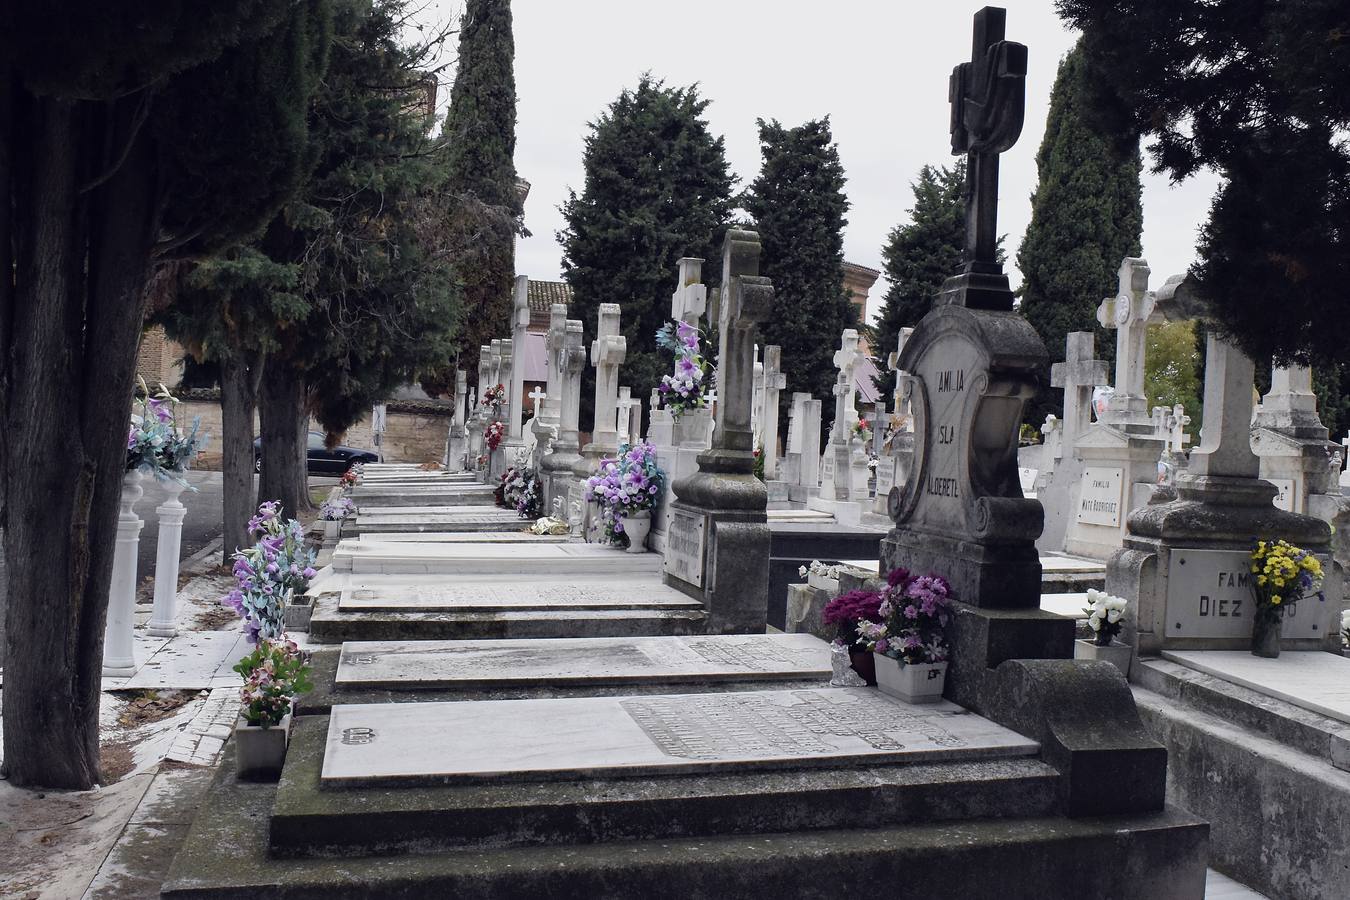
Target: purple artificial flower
308, 572
158, 407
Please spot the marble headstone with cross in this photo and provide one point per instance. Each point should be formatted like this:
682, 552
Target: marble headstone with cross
504, 366
608, 351
772, 384
1184, 563
840, 494
717, 549
897, 442
456, 445
481, 415
679, 440
1060, 471
1117, 457
801, 462
567, 359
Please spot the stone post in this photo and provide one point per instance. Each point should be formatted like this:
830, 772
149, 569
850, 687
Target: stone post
718, 544
774, 381
456, 447
520, 324
168, 544
119, 660
569, 358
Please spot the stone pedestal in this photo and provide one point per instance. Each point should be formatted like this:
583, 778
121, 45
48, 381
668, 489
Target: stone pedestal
118, 658
169, 542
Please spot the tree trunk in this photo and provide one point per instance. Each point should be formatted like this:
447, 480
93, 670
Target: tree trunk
81, 262
238, 401
284, 438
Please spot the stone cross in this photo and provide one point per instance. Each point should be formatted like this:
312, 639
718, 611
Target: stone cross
774, 382
537, 396
746, 300
570, 360
520, 325
796, 421
635, 421
608, 351
554, 342
690, 299
1177, 438
987, 98
1160, 426
624, 409
1077, 375
1129, 313
899, 398
845, 412
1225, 438
1052, 438
461, 394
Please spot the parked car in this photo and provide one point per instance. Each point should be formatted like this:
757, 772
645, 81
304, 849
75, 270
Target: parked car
321, 460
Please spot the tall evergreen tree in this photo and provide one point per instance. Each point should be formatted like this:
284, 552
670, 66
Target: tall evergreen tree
798, 205
657, 189
1086, 216
485, 216
130, 135
919, 255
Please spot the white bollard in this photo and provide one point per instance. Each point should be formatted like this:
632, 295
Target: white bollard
118, 659
171, 513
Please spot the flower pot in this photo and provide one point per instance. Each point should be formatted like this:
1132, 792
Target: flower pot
332, 528
913, 683
260, 752
1266, 636
864, 665
1116, 653
636, 526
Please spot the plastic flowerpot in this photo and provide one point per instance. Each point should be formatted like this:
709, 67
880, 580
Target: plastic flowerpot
260, 752
1116, 653
636, 526
913, 683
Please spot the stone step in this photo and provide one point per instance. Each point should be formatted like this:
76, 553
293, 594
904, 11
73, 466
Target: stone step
226, 854
566, 561
469, 521
470, 594
470, 537
313, 818
404, 498
329, 626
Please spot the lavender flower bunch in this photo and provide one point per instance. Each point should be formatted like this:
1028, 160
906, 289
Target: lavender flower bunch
269, 573
688, 387
155, 444
914, 612
336, 510
627, 484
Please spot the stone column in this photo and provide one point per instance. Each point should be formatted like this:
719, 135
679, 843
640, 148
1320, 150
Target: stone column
520, 324
119, 660
570, 359
456, 446
718, 547
608, 351
774, 382
169, 542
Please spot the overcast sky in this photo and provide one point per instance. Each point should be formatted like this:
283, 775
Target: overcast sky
878, 68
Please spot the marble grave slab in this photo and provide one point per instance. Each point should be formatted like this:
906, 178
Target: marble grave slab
489, 595
580, 737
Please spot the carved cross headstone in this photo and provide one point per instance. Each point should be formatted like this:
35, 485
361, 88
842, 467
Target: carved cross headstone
757, 398
899, 405
608, 351
690, 299
485, 381
624, 410
570, 361
1177, 438
1129, 312
987, 98
846, 362
1225, 438
461, 394
746, 300
554, 356
774, 382
1077, 375
537, 397
505, 377
520, 325
1160, 427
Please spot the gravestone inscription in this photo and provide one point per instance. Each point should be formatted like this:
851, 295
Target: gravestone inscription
685, 546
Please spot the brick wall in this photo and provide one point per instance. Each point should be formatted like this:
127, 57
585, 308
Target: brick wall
157, 359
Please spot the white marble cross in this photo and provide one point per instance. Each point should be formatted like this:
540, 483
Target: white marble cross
1177, 438
1129, 313
624, 410
608, 351
690, 299
845, 412
1226, 437
899, 405
774, 381
1077, 375
537, 396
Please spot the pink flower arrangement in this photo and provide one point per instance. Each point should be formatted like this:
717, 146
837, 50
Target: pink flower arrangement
493, 434
913, 615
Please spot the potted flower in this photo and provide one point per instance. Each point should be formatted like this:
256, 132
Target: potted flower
847, 612
333, 512
274, 673
1106, 617
1285, 574
861, 432
820, 576
493, 398
269, 574
627, 488
909, 646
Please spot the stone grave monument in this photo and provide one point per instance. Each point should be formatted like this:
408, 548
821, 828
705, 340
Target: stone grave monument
1293, 445
717, 546
457, 445
801, 465
772, 384
897, 444
1184, 566
840, 493
1062, 471
568, 357
608, 351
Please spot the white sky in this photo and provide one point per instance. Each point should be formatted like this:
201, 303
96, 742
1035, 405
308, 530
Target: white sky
879, 68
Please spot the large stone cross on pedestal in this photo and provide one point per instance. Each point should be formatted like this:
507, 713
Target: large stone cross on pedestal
774, 382
987, 98
746, 300
608, 351
1129, 312
570, 360
520, 325
1177, 438
1077, 375
846, 362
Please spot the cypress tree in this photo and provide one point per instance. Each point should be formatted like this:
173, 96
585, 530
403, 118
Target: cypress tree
657, 189
480, 139
919, 255
1086, 216
798, 205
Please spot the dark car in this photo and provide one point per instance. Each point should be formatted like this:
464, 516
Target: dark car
322, 461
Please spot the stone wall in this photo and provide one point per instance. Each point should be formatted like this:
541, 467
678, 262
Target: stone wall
415, 431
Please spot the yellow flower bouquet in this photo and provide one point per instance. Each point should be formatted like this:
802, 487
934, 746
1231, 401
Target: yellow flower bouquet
1282, 576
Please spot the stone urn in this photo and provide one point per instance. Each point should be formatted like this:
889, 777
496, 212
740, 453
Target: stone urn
260, 751
637, 525
911, 682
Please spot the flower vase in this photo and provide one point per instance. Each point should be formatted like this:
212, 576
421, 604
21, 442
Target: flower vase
260, 752
332, 528
636, 526
1266, 636
911, 682
1117, 654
